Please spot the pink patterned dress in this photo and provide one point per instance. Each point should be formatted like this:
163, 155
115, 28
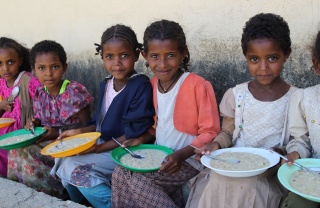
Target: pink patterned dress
5, 92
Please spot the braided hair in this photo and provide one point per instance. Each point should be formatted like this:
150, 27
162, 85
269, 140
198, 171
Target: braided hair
48, 46
120, 32
267, 26
167, 30
21, 50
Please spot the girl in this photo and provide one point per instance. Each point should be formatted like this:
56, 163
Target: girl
303, 125
14, 70
254, 115
57, 104
125, 111
186, 113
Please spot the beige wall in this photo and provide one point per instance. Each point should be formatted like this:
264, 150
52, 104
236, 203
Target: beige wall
213, 29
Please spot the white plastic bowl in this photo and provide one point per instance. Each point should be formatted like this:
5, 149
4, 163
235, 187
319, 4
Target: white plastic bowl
273, 160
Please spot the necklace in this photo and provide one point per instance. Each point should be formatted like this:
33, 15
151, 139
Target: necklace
120, 85
168, 88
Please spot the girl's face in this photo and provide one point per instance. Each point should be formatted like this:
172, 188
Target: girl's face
119, 59
164, 58
265, 60
49, 70
10, 62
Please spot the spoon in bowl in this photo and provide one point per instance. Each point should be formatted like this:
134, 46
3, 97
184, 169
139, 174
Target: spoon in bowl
14, 94
228, 160
131, 153
296, 164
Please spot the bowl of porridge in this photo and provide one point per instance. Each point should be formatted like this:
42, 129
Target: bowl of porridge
4, 122
153, 156
71, 145
19, 138
305, 184
253, 161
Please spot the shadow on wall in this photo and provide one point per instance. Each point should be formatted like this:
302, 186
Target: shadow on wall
223, 72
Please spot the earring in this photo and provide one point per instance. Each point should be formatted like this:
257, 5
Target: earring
147, 64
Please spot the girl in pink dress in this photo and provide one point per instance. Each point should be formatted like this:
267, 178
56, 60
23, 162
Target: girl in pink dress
14, 70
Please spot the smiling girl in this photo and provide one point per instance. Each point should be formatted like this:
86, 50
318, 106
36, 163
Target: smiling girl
124, 112
186, 113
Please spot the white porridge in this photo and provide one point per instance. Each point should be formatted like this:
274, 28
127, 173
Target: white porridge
15, 139
306, 182
152, 159
2, 121
248, 161
68, 144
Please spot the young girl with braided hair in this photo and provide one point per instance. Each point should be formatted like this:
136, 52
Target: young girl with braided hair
14, 71
124, 111
186, 113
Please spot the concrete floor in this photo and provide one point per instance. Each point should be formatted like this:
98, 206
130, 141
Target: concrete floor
13, 194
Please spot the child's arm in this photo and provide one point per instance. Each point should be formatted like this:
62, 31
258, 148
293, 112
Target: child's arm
172, 163
298, 127
84, 115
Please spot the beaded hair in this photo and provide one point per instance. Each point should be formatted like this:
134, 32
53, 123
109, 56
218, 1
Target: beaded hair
21, 50
120, 32
167, 30
267, 26
48, 46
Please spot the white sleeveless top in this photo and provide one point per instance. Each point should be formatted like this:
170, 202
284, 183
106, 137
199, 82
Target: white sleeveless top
260, 124
166, 134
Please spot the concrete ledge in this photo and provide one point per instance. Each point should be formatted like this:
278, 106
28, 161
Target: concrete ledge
13, 194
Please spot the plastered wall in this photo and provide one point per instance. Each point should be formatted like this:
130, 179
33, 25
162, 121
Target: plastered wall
213, 29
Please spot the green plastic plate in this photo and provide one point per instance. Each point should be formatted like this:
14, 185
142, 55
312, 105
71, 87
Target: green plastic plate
38, 130
118, 152
285, 172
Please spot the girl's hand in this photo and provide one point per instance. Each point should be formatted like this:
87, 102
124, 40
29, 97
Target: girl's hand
207, 149
6, 106
131, 142
32, 122
171, 163
291, 158
51, 134
69, 133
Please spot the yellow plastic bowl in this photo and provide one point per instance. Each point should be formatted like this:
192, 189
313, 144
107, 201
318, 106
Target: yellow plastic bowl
6, 122
93, 136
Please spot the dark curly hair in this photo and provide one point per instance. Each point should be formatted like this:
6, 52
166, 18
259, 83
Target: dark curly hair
21, 50
267, 26
167, 30
120, 32
315, 50
48, 46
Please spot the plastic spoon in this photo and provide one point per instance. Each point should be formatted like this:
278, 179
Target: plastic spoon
14, 94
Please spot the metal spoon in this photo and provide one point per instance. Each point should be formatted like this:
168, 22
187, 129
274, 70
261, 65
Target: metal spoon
60, 143
232, 161
296, 164
131, 153
14, 94
32, 131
